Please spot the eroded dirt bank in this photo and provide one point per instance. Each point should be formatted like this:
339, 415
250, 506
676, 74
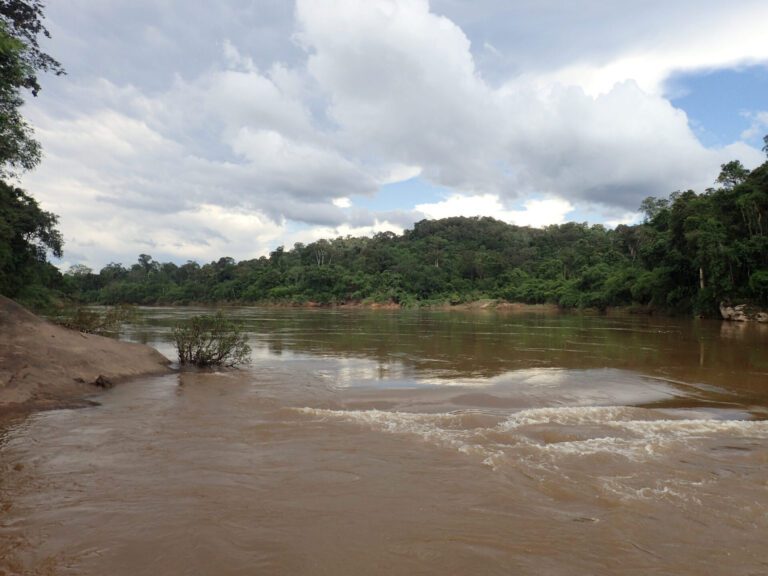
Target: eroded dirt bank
43, 365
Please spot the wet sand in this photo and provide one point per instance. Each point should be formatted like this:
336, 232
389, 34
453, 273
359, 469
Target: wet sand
44, 366
341, 452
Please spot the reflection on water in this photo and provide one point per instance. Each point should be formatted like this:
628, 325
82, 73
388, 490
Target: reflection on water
386, 442
461, 346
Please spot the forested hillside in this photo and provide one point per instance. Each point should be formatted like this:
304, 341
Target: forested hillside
691, 252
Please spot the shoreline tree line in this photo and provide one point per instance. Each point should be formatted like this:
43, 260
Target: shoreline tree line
691, 252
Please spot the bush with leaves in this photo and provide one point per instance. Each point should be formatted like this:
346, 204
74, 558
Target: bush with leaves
211, 340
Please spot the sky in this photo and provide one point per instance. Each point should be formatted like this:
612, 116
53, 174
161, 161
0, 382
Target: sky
187, 129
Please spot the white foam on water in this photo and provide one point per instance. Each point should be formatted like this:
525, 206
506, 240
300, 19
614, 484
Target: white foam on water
573, 415
455, 431
698, 428
441, 429
674, 490
523, 443
633, 433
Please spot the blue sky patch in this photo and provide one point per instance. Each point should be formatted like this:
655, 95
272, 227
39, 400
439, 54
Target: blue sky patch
718, 103
403, 195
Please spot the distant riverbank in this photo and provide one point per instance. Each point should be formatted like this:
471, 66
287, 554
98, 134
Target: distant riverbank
488, 304
731, 313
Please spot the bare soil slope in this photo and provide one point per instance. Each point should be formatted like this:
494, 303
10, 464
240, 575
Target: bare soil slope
43, 365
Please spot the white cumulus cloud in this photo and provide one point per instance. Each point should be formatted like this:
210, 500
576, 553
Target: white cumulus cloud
536, 212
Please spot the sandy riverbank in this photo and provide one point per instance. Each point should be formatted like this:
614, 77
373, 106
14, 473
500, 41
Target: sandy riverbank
43, 365
483, 304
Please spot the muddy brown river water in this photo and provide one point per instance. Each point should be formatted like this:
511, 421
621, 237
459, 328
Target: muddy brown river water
381, 442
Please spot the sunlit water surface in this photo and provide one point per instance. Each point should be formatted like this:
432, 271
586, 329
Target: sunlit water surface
378, 442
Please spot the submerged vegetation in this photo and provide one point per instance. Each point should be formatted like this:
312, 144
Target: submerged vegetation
691, 252
205, 341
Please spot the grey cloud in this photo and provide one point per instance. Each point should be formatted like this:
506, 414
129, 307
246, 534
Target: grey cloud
615, 149
401, 218
533, 35
148, 242
147, 43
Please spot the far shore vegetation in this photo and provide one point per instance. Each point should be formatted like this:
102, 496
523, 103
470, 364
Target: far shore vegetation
691, 252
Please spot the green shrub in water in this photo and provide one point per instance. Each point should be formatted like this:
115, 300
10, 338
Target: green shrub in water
211, 341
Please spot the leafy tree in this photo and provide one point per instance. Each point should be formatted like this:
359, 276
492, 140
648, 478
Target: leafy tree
23, 21
653, 207
758, 283
18, 149
27, 235
732, 174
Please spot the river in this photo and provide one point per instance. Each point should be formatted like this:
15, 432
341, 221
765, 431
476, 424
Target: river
396, 442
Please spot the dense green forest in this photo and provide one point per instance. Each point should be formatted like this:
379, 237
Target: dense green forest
691, 252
